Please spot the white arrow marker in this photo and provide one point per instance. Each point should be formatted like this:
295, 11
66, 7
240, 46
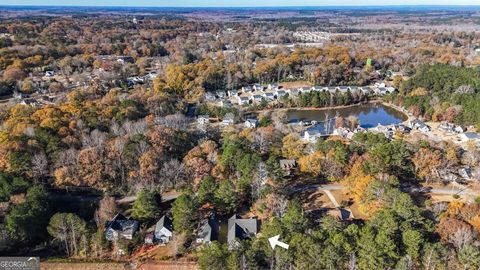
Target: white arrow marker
275, 242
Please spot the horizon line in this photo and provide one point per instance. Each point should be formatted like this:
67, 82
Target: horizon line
235, 6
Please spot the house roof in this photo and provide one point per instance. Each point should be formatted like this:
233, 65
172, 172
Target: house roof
241, 228
287, 163
121, 223
472, 135
164, 222
208, 229
318, 129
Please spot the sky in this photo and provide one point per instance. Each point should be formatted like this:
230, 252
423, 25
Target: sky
236, 3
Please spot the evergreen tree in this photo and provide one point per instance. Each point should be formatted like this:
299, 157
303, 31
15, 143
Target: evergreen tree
145, 206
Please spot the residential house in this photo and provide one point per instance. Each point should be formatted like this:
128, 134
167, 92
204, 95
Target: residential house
149, 238
224, 103
256, 98
466, 173
292, 92
258, 87
343, 89
220, 94
446, 127
317, 88
240, 229
287, 165
30, 102
459, 129
312, 134
342, 132
365, 89
384, 90
120, 227
247, 89
151, 75
280, 93
251, 123
446, 175
203, 119
209, 96
420, 125
228, 119
19, 95
232, 93
269, 96
303, 90
469, 136
242, 100
272, 86
207, 230
49, 73
402, 128
163, 230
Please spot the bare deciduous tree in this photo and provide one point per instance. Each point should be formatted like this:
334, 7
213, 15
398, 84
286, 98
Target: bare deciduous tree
39, 165
107, 208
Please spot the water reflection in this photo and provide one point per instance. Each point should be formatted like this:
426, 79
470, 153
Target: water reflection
368, 115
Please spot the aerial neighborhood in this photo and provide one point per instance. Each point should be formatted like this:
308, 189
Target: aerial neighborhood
225, 138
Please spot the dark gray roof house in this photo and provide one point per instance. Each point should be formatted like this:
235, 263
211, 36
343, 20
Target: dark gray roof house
207, 230
163, 230
240, 228
120, 226
287, 164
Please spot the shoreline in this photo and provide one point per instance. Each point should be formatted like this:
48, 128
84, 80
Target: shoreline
370, 102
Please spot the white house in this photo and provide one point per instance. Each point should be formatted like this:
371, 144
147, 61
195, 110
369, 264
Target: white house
280, 93
304, 90
163, 230
313, 133
255, 98
242, 100
292, 92
343, 89
49, 73
203, 119
209, 96
251, 123
258, 87
269, 96
272, 86
353, 89
232, 93
247, 89
420, 125
220, 94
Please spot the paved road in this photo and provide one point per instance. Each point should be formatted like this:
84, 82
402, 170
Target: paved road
429, 190
165, 198
331, 197
321, 187
449, 191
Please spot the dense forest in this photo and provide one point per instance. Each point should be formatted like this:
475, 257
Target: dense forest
443, 92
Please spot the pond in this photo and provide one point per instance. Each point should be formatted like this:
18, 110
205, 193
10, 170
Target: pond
368, 115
